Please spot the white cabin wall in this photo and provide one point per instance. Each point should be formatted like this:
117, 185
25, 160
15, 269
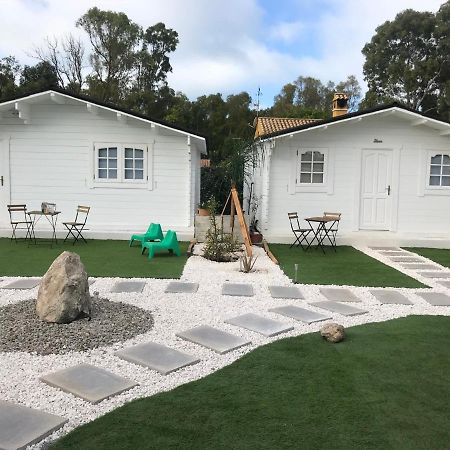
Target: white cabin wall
416, 213
51, 160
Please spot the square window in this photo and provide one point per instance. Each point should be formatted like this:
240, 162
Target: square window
102, 173
318, 167
436, 159
139, 164
139, 174
445, 170
319, 156
139, 153
102, 163
103, 152
112, 173
113, 163
129, 153
435, 181
128, 174
317, 178
305, 167
129, 163
307, 156
446, 159
305, 178
435, 170
112, 152
445, 181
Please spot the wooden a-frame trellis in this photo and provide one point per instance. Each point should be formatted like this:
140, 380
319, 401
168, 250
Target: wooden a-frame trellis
237, 209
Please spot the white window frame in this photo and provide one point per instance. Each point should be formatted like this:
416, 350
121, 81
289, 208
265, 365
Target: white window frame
326, 185
429, 186
301, 152
121, 182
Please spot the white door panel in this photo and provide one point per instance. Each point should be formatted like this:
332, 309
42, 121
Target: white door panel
376, 201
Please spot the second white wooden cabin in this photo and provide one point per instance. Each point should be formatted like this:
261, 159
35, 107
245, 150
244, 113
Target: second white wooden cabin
387, 170
70, 150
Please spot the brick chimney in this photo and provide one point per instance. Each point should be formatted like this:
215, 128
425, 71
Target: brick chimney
340, 104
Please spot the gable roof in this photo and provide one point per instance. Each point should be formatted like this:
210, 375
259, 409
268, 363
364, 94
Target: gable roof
394, 107
104, 105
268, 125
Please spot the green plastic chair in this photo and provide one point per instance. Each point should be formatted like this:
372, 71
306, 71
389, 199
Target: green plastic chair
170, 242
153, 233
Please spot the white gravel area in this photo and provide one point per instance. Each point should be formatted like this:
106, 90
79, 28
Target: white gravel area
173, 313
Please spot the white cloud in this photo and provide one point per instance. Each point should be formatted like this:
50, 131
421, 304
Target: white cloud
224, 47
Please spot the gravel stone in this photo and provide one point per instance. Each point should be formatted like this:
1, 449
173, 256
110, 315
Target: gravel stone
21, 330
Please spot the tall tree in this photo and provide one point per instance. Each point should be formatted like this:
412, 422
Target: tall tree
39, 77
407, 59
9, 72
114, 39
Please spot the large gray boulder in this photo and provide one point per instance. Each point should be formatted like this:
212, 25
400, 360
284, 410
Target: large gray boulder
64, 291
333, 332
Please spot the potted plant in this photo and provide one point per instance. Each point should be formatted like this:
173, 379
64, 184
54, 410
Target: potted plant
202, 209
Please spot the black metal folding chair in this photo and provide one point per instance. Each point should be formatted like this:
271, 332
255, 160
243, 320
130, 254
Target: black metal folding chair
300, 233
76, 227
330, 232
19, 221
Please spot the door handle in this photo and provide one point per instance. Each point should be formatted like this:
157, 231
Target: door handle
1, 180
389, 190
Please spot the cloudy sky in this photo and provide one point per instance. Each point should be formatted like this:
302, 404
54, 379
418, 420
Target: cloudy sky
226, 46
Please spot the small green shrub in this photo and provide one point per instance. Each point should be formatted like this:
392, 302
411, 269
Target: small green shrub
219, 246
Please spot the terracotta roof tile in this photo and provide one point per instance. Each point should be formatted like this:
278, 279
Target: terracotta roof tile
269, 125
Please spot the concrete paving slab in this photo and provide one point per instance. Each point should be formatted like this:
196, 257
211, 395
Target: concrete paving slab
397, 249
238, 289
25, 283
340, 308
259, 324
301, 314
128, 286
212, 338
91, 383
445, 283
21, 426
157, 357
339, 295
390, 297
436, 274
91, 282
409, 259
435, 298
393, 253
181, 287
423, 266
285, 292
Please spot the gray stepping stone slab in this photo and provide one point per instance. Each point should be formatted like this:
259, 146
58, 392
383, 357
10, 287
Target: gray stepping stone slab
91, 383
394, 253
345, 310
238, 289
436, 274
388, 297
181, 287
285, 292
435, 298
422, 266
212, 338
301, 314
157, 357
445, 284
386, 248
260, 324
25, 283
128, 286
339, 295
411, 259
21, 426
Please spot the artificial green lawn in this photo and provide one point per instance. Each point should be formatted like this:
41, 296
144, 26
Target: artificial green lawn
345, 266
385, 387
439, 255
101, 259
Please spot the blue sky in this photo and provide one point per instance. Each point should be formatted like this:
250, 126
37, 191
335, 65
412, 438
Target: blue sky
226, 47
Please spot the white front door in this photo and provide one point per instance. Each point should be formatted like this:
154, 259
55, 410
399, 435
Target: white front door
4, 183
376, 198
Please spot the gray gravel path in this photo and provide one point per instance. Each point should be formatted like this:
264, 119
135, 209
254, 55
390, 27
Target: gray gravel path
22, 331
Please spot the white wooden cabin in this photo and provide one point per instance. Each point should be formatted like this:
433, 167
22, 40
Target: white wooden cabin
386, 170
70, 150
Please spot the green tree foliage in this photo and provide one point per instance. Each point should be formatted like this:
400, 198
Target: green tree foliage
114, 39
9, 72
308, 97
38, 77
408, 60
